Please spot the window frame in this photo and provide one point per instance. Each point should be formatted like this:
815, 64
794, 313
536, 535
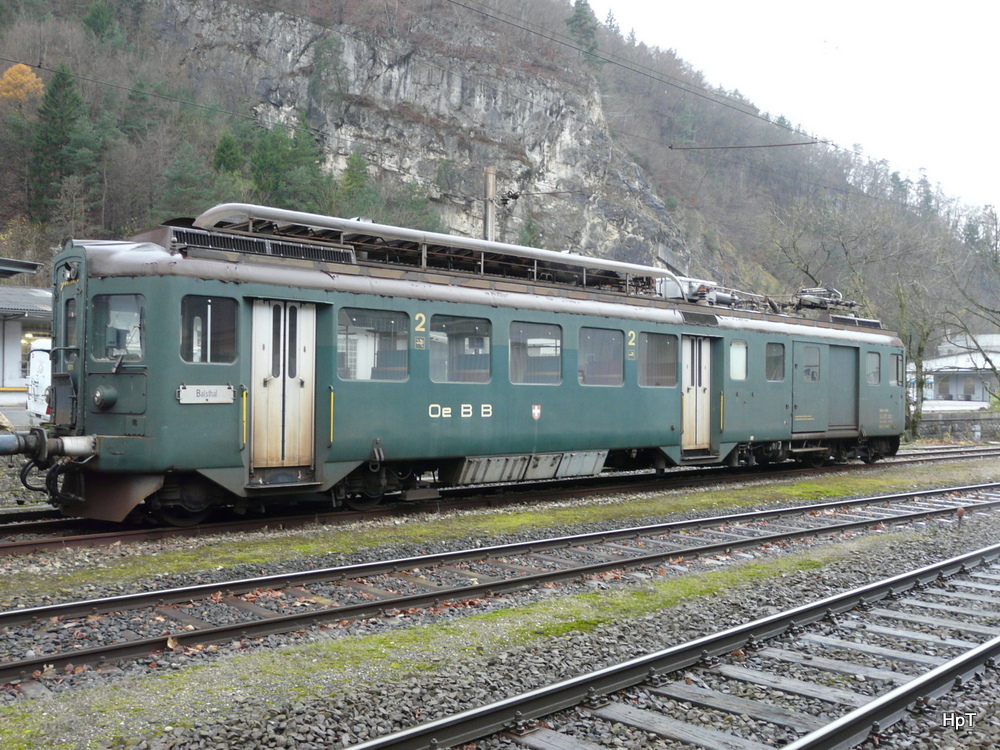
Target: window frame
810, 366
739, 364
101, 318
770, 358
616, 339
873, 376
461, 341
216, 345
647, 372
519, 372
897, 377
387, 374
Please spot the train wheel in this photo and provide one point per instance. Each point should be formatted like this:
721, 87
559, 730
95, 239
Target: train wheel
362, 502
176, 515
817, 460
183, 501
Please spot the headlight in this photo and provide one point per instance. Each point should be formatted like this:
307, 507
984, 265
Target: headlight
105, 396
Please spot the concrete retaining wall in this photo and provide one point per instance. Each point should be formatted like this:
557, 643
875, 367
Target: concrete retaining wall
968, 425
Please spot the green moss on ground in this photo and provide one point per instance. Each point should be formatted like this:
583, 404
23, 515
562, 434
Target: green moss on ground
327, 667
220, 553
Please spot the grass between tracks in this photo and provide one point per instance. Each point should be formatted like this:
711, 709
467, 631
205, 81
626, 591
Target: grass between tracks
327, 668
143, 561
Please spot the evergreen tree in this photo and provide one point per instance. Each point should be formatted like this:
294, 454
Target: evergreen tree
139, 115
188, 187
268, 162
228, 155
101, 19
287, 171
583, 27
58, 115
356, 193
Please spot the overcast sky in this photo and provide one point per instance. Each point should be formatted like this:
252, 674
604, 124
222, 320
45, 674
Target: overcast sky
913, 83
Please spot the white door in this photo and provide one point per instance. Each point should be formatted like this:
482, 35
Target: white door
284, 363
695, 399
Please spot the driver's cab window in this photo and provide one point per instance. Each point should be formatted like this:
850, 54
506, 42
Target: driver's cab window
117, 327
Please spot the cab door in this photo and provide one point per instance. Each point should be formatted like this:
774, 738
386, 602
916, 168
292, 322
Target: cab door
810, 389
283, 400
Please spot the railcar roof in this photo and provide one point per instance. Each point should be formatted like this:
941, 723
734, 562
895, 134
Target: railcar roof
138, 259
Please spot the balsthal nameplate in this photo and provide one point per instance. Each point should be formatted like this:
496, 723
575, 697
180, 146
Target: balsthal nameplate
206, 394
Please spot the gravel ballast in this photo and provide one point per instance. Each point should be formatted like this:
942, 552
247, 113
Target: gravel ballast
287, 692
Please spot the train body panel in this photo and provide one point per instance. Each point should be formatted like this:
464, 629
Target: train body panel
196, 364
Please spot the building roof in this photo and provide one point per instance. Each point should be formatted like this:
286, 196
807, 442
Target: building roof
11, 267
25, 300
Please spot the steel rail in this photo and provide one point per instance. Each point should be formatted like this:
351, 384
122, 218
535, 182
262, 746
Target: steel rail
692, 477
884, 711
286, 580
476, 723
286, 623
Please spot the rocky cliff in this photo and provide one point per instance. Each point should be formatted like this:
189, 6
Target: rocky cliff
435, 107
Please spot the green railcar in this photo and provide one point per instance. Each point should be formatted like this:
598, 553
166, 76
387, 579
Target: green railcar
254, 353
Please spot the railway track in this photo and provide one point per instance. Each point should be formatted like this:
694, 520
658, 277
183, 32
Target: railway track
829, 674
112, 629
28, 531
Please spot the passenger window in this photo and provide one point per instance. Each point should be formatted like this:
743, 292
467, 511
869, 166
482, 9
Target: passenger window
208, 330
117, 332
873, 368
535, 353
774, 363
460, 349
372, 344
657, 360
810, 364
601, 357
738, 360
897, 369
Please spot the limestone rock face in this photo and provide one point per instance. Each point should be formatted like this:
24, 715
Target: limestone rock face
435, 109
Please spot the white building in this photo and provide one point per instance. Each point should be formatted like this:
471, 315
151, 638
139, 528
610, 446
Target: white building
25, 314
960, 378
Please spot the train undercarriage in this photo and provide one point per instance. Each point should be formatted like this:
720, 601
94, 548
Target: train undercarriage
187, 498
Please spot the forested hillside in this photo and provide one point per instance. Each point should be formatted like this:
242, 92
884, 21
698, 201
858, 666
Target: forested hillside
120, 113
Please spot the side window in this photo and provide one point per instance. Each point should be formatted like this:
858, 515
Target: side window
372, 344
208, 329
535, 353
738, 360
810, 363
460, 349
117, 331
601, 357
774, 364
657, 360
897, 369
69, 329
873, 368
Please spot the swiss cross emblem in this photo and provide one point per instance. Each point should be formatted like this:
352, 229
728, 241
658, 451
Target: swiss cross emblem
536, 411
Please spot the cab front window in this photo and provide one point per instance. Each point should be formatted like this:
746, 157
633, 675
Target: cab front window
118, 322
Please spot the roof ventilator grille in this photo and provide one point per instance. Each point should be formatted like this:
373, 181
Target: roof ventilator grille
848, 320
255, 246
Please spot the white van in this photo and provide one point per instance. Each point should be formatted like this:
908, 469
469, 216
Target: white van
39, 378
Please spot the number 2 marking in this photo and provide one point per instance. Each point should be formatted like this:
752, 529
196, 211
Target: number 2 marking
421, 322
631, 338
